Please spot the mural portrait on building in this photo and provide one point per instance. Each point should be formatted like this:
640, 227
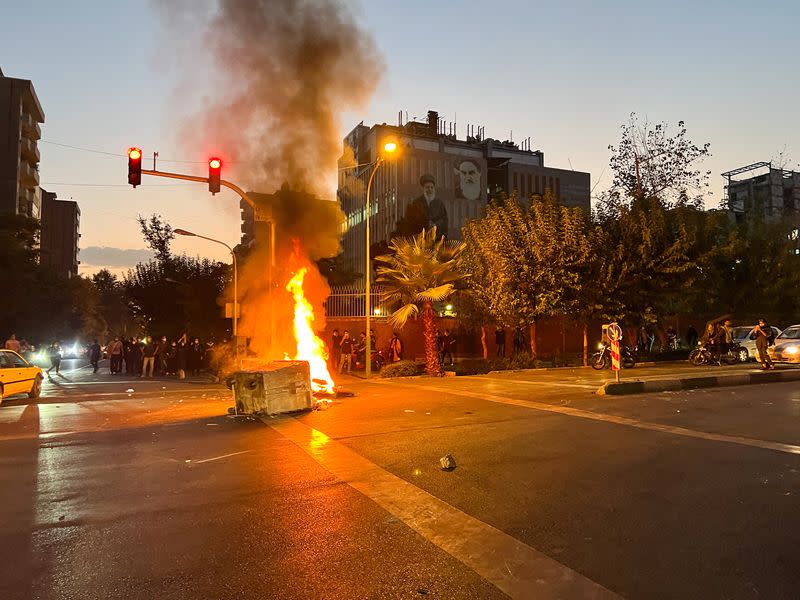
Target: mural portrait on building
468, 180
437, 213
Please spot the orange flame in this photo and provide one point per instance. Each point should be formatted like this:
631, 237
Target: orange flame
309, 347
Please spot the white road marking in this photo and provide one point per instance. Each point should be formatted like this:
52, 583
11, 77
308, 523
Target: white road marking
582, 386
514, 567
205, 460
595, 416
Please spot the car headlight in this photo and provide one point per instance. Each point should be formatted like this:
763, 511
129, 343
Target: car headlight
792, 350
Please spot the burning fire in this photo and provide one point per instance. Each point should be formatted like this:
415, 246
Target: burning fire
309, 347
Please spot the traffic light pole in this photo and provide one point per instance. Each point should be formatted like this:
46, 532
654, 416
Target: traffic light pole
243, 195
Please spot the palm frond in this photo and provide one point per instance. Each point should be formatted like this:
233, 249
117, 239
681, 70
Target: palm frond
400, 317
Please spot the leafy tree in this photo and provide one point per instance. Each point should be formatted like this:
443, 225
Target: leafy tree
178, 295
420, 270
116, 312
158, 235
651, 162
525, 261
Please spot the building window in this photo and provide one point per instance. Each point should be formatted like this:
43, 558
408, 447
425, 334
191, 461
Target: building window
536, 188
558, 188
515, 187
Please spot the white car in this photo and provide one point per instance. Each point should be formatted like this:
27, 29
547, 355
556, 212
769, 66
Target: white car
741, 335
18, 376
787, 346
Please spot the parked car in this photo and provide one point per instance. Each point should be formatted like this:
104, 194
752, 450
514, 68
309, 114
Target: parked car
787, 346
747, 347
18, 376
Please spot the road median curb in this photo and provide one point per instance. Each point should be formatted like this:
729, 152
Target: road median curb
624, 388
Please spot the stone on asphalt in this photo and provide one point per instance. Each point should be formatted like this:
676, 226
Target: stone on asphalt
447, 462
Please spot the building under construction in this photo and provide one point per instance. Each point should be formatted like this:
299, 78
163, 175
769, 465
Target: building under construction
762, 191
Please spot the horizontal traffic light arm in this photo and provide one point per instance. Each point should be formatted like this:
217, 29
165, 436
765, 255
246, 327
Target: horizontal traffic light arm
227, 184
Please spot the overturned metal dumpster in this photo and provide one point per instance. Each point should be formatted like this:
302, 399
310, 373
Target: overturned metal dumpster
281, 386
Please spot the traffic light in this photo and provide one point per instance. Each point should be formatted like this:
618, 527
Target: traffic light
214, 172
134, 166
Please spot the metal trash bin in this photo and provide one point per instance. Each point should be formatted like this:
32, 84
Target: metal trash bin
281, 386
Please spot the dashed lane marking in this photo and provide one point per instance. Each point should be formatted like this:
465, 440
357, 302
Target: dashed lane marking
514, 567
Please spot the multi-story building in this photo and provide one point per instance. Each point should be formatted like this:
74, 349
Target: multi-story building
20, 116
434, 168
762, 191
61, 221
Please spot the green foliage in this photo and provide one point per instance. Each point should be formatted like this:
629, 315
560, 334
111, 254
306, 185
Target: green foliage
419, 271
403, 368
526, 262
170, 297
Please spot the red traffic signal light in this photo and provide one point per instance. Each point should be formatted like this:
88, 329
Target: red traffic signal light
134, 166
214, 174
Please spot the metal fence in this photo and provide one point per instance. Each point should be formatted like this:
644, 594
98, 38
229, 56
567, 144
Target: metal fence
348, 301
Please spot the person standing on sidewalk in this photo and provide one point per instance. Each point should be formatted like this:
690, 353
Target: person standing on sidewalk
500, 341
149, 358
95, 353
763, 337
115, 356
336, 351
346, 348
395, 349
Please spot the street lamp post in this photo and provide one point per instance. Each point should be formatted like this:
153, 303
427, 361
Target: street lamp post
389, 148
235, 281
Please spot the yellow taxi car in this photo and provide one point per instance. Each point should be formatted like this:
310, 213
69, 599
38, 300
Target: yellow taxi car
786, 348
18, 376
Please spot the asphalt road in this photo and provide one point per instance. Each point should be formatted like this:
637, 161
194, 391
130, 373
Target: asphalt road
557, 492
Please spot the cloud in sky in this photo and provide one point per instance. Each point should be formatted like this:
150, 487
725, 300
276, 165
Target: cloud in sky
113, 258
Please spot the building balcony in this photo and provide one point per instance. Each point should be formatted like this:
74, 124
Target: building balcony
28, 176
30, 151
30, 128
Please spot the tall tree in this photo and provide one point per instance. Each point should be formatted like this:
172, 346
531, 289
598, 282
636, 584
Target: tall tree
650, 161
525, 261
158, 235
419, 271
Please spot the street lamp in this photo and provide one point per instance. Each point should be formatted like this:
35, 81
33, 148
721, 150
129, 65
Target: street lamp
235, 279
388, 148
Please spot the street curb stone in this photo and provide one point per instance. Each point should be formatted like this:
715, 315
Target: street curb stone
624, 388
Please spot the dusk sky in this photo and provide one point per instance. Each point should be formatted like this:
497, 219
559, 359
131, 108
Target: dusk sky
567, 74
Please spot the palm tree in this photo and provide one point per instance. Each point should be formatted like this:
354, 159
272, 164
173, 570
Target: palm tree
420, 270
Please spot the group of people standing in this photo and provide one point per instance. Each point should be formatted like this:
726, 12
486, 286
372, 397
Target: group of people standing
344, 350
517, 340
148, 357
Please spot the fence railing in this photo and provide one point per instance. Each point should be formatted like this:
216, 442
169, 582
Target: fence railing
348, 301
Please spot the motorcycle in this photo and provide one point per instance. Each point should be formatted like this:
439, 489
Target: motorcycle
702, 355
378, 360
602, 359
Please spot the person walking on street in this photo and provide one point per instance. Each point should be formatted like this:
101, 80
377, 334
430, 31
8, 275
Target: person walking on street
13, 344
519, 340
395, 349
95, 353
346, 348
720, 345
764, 337
115, 356
500, 341
54, 352
149, 359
